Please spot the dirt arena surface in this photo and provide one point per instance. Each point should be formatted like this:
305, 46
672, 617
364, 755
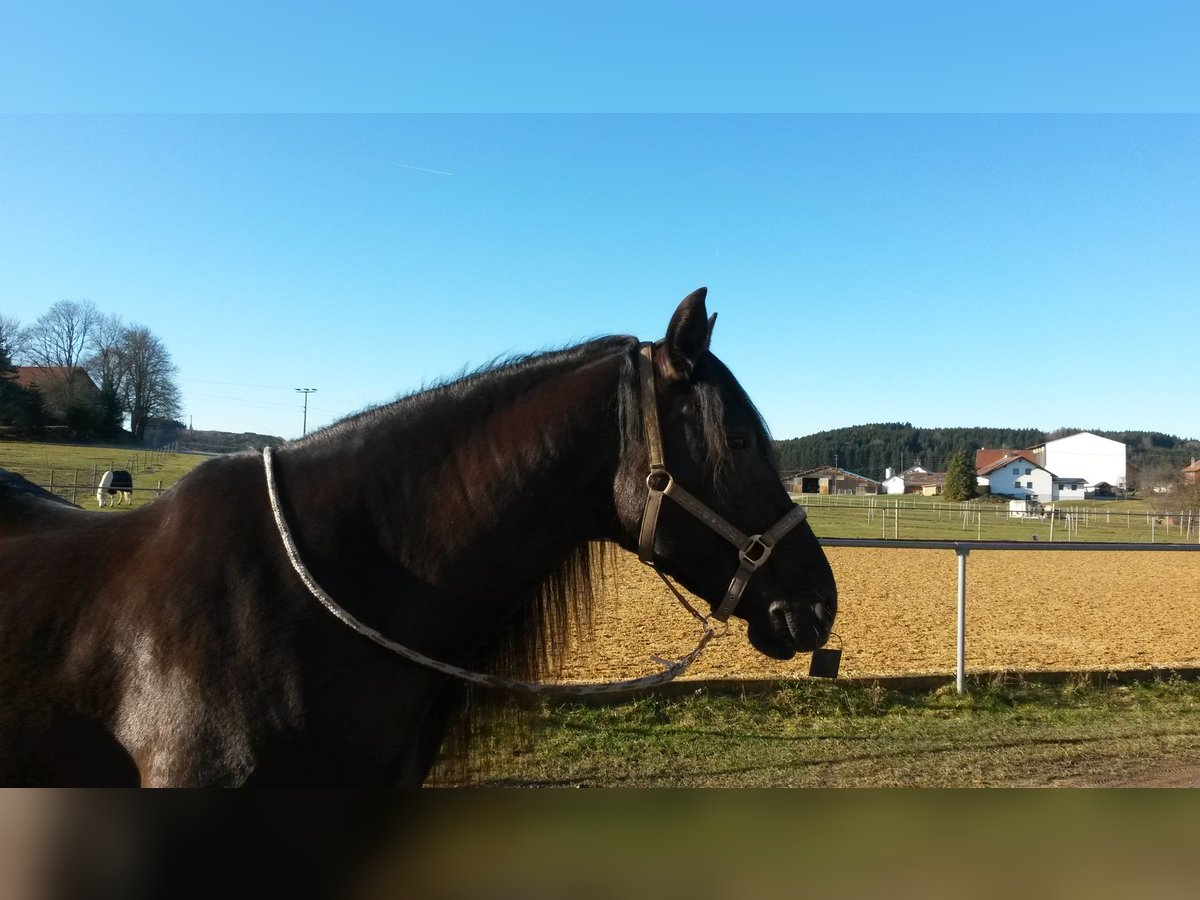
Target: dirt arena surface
897, 616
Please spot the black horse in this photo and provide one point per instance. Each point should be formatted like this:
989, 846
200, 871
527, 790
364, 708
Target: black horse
177, 645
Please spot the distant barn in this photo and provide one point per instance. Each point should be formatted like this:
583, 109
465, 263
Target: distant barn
61, 388
832, 480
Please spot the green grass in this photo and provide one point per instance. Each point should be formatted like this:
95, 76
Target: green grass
73, 468
820, 734
922, 518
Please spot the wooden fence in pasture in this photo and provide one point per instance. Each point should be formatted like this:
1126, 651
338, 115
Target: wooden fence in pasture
80, 484
900, 518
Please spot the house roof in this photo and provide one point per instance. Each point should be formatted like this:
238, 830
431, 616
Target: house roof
834, 470
1194, 467
1075, 434
908, 473
985, 458
919, 478
48, 376
1009, 458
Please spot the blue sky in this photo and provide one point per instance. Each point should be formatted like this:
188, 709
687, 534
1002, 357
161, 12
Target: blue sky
616, 56
968, 240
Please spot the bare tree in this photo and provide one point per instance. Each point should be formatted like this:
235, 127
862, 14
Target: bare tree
106, 362
1160, 484
10, 395
61, 337
109, 369
149, 388
12, 338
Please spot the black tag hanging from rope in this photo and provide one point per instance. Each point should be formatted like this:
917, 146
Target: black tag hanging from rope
826, 660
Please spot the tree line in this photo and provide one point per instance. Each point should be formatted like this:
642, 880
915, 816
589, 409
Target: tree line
132, 375
872, 449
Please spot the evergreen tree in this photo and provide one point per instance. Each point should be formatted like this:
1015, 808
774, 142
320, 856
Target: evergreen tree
960, 477
30, 411
12, 398
110, 414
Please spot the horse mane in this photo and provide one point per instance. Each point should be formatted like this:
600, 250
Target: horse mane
477, 385
532, 643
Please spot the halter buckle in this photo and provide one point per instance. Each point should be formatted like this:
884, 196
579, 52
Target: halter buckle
755, 551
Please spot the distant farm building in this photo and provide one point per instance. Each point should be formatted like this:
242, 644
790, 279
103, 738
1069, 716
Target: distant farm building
1087, 456
916, 480
1018, 474
1074, 467
832, 480
1191, 474
61, 388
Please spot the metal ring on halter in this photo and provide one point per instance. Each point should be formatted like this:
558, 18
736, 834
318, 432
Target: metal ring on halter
752, 542
658, 473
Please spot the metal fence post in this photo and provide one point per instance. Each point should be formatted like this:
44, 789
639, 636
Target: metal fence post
961, 551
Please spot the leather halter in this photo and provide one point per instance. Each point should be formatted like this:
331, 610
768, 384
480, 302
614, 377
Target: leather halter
753, 550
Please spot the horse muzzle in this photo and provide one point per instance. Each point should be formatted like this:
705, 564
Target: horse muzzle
782, 628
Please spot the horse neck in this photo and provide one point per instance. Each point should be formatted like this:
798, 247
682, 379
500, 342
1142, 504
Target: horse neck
485, 484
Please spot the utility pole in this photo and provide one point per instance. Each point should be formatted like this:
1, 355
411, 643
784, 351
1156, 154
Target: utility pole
305, 392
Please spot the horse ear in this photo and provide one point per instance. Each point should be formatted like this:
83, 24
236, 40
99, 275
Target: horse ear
687, 337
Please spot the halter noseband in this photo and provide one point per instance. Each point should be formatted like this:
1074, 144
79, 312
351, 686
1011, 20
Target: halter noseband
753, 550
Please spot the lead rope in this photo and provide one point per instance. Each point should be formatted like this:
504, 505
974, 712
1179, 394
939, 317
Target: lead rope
672, 669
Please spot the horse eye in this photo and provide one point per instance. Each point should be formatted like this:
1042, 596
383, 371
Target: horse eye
738, 440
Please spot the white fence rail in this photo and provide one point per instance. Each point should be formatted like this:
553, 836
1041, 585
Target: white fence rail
963, 548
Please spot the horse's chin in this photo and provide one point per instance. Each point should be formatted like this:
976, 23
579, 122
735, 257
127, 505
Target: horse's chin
784, 629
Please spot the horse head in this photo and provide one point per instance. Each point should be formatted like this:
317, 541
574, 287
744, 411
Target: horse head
705, 500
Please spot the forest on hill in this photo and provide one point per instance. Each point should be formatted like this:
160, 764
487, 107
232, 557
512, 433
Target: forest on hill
870, 449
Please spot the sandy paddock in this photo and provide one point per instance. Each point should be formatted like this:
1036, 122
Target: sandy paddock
1025, 611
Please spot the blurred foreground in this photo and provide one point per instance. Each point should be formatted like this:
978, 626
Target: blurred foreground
584, 844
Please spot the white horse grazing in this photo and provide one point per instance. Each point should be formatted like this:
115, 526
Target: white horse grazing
112, 483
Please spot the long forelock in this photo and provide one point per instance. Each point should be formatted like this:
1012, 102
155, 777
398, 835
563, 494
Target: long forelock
715, 389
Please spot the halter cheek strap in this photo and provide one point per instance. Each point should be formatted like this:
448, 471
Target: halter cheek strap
753, 550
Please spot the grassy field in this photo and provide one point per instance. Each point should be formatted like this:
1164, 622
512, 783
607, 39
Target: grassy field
820, 734
929, 518
73, 469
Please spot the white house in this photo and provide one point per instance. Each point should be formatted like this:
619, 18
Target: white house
1084, 455
1018, 475
1069, 488
917, 480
